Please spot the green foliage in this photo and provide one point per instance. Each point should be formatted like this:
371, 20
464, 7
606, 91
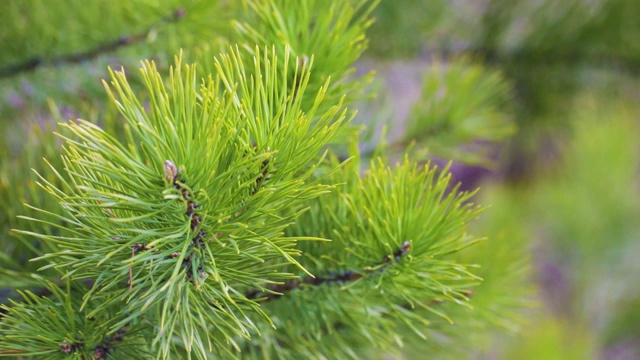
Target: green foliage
391, 264
555, 339
463, 109
580, 216
230, 146
563, 27
495, 304
402, 26
38, 27
51, 325
598, 186
17, 187
205, 213
55, 50
330, 35
386, 278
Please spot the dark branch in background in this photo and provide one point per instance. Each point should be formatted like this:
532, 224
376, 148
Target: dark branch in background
122, 41
548, 57
523, 56
341, 277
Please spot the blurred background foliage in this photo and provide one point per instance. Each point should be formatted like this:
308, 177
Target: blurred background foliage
566, 182
537, 100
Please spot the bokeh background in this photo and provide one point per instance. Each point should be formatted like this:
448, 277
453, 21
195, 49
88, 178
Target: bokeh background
566, 181
536, 101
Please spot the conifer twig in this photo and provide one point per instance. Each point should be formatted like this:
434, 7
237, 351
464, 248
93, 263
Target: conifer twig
278, 290
103, 350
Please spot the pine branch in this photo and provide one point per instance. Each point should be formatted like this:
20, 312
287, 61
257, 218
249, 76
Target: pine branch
139, 225
55, 326
331, 35
177, 231
121, 42
402, 227
340, 277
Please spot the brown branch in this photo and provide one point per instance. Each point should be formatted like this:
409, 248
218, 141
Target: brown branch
172, 176
103, 350
12, 352
278, 290
124, 40
70, 348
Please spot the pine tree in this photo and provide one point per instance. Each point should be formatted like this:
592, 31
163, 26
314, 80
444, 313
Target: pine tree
221, 206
